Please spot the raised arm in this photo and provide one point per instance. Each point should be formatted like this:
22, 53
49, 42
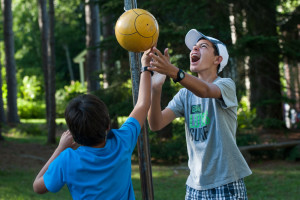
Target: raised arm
66, 141
157, 118
143, 103
161, 63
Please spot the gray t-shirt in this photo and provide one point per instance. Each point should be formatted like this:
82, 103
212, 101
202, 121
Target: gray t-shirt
210, 127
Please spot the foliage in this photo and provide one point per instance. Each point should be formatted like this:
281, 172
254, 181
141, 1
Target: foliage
118, 99
69, 30
26, 129
294, 154
173, 23
169, 151
245, 139
245, 116
31, 109
30, 88
30, 103
63, 96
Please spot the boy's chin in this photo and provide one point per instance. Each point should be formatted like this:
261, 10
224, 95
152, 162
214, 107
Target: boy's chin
193, 69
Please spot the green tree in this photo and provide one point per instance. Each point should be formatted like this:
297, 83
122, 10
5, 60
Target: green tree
46, 23
12, 110
51, 76
92, 41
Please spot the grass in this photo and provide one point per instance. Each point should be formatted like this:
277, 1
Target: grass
278, 181
43, 121
269, 181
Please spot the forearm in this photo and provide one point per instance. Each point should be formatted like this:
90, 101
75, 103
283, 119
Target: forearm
66, 141
155, 117
195, 85
44, 169
198, 86
145, 90
39, 184
143, 103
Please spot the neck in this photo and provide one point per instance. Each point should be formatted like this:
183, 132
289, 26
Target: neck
208, 77
101, 145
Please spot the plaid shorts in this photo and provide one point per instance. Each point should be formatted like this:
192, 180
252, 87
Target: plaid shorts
231, 191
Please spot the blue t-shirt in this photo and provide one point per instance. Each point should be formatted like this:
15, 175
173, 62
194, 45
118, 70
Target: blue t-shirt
97, 173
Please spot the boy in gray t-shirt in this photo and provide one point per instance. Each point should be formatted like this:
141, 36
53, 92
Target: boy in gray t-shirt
209, 105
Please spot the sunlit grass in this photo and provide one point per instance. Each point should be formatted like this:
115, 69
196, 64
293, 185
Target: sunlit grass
275, 182
278, 181
17, 185
42, 121
25, 139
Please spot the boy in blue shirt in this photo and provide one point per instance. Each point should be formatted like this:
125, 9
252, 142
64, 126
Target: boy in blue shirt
101, 167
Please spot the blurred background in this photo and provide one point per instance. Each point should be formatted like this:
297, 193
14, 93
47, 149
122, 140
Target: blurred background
52, 51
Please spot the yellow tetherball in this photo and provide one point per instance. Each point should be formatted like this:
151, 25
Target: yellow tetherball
137, 30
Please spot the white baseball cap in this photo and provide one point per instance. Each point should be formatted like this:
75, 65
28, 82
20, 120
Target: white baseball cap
193, 36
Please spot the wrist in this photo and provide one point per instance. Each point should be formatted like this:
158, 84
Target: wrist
179, 76
173, 72
145, 69
60, 148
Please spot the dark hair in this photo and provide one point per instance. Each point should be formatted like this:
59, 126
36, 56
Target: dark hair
216, 51
88, 119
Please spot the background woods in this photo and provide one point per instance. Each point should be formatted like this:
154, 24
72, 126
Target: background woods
55, 50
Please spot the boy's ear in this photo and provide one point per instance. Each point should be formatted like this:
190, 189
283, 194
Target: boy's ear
218, 60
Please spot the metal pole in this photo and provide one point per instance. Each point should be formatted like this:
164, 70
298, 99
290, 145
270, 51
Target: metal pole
143, 140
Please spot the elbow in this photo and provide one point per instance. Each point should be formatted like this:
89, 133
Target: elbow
38, 189
154, 127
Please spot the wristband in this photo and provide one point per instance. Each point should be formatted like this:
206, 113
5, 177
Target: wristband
180, 76
146, 69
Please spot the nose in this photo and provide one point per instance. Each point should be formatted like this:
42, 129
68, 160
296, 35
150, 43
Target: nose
195, 48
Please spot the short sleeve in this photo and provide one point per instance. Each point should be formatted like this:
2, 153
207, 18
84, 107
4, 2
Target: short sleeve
177, 103
130, 131
53, 177
228, 91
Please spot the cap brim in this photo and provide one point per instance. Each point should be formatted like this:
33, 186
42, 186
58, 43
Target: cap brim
192, 37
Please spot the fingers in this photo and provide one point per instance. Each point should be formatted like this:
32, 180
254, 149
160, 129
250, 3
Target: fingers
156, 57
166, 53
159, 54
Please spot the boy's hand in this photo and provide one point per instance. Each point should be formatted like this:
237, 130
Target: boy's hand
146, 58
66, 141
161, 63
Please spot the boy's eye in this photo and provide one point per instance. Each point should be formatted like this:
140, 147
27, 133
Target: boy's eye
203, 46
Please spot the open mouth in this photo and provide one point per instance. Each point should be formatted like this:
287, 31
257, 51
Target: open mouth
195, 57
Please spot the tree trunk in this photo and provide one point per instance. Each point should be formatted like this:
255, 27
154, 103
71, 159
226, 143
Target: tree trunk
92, 41
51, 76
43, 24
12, 109
264, 62
48, 61
2, 112
2, 115
108, 64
